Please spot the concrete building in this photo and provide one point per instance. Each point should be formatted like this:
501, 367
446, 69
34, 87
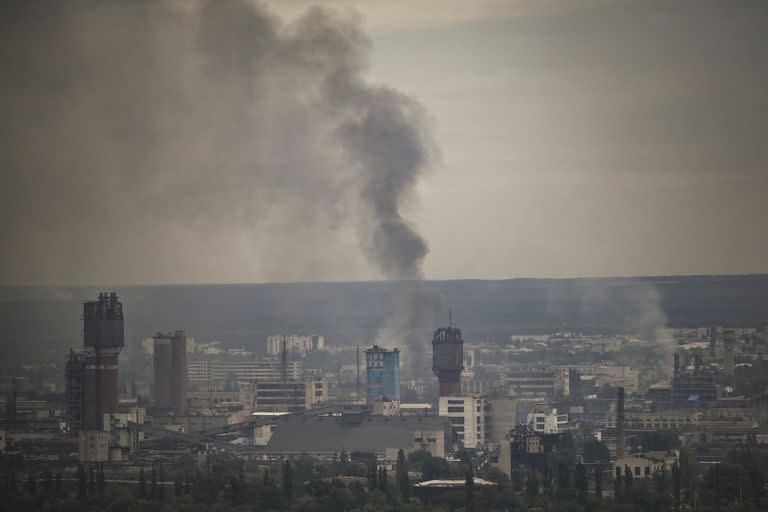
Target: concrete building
503, 417
288, 396
170, 370
93, 446
615, 376
547, 420
643, 465
539, 383
469, 416
382, 374
298, 344
386, 407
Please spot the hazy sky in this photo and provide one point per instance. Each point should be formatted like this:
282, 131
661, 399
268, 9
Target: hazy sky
575, 138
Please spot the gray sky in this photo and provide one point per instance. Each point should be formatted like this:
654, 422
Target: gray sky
576, 138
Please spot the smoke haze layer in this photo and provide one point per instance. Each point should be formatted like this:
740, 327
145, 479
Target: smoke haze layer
149, 141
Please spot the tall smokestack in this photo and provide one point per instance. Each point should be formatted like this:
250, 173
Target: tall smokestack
103, 339
448, 359
620, 423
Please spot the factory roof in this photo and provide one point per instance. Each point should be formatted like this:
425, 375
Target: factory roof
358, 432
458, 484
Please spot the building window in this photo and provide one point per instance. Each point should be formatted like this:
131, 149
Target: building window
637, 470
455, 409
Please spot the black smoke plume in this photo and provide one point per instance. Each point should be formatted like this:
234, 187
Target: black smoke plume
140, 139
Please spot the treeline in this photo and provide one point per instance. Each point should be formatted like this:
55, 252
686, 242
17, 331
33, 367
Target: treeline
358, 483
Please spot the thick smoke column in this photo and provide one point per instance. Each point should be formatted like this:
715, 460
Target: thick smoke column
183, 130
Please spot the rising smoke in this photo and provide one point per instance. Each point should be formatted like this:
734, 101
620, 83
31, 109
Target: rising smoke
161, 128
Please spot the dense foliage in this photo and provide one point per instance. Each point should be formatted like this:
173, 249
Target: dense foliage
357, 482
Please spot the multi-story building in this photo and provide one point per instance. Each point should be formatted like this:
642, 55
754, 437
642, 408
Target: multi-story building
170, 368
204, 371
546, 420
544, 383
300, 344
382, 374
286, 396
469, 416
667, 419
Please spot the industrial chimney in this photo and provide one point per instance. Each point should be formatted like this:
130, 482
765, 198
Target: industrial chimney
103, 339
448, 359
620, 423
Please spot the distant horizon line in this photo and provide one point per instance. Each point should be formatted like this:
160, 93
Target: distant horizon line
383, 281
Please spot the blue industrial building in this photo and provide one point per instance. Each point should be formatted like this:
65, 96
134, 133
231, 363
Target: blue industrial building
382, 373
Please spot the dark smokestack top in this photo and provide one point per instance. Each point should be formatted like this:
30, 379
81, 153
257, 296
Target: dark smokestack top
447, 335
103, 322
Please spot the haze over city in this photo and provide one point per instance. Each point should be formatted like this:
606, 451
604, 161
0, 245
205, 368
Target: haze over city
562, 139
355, 255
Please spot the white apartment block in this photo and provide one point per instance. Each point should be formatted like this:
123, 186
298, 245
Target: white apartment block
547, 421
294, 343
201, 370
469, 416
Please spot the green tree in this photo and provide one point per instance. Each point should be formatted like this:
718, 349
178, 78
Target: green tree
287, 481
547, 480
91, 482
401, 476
372, 469
598, 480
581, 479
627, 478
142, 484
469, 489
676, 487
531, 485
435, 467
563, 477
383, 481
596, 451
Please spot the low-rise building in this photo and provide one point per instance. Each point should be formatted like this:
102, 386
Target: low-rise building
641, 465
94, 446
544, 383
